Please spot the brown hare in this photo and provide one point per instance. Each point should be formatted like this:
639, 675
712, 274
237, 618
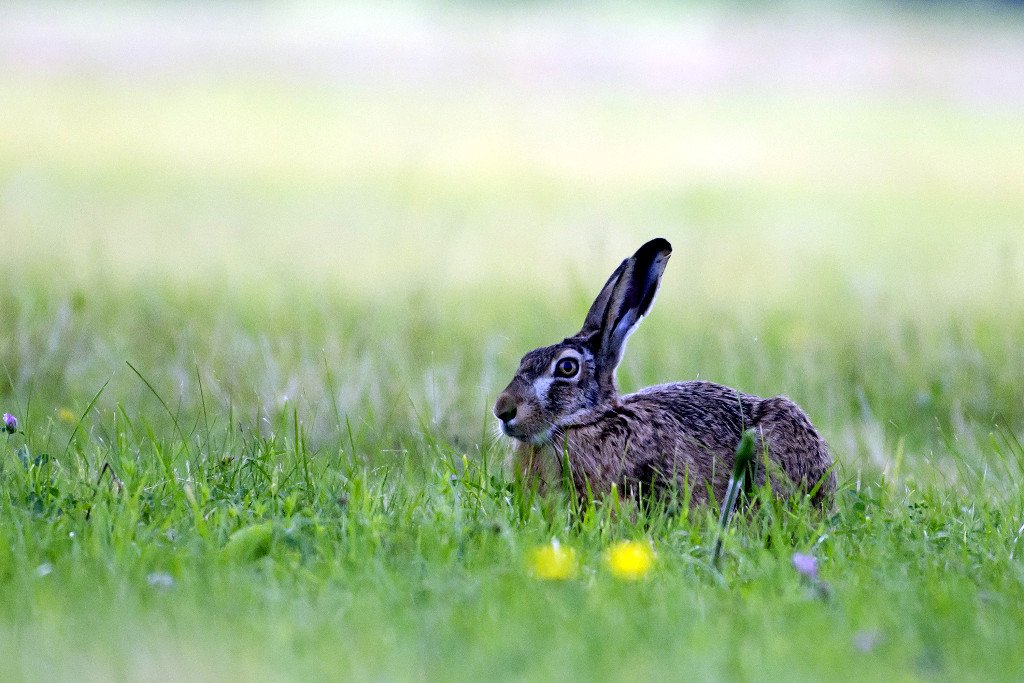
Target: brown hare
563, 406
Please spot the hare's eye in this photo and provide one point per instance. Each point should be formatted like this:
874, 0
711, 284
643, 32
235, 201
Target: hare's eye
567, 367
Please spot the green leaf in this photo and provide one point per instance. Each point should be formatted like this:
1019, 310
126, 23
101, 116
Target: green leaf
248, 543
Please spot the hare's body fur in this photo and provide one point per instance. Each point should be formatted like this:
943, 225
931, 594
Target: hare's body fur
682, 435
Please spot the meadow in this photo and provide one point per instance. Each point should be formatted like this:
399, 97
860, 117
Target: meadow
255, 313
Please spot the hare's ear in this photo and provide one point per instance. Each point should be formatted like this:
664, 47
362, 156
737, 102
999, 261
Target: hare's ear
624, 301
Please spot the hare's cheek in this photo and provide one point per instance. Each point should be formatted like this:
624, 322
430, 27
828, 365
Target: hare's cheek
565, 398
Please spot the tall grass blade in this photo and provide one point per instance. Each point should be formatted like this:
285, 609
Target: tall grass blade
744, 456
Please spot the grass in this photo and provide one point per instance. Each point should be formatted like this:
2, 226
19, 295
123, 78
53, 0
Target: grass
252, 329
352, 568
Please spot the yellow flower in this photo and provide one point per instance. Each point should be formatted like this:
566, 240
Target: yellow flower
65, 415
553, 562
630, 559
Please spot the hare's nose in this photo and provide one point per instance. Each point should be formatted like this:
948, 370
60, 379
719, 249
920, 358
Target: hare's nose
505, 408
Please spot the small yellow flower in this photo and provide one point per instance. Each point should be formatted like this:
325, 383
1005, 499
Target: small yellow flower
66, 416
630, 559
553, 562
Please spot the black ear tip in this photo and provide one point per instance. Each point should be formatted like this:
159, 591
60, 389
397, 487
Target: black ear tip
656, 246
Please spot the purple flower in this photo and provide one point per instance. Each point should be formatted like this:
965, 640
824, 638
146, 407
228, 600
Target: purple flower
807, 565
10, 423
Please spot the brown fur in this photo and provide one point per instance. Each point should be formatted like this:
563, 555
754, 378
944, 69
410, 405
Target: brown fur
682, 434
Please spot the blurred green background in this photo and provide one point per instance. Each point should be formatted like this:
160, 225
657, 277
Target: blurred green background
252, 190
323, 235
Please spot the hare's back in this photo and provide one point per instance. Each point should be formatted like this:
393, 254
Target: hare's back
697, 408
700, 424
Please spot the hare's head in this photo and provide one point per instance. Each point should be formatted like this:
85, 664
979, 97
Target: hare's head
556, 384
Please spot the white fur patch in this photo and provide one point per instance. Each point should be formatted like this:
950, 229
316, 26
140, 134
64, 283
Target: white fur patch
541, 385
